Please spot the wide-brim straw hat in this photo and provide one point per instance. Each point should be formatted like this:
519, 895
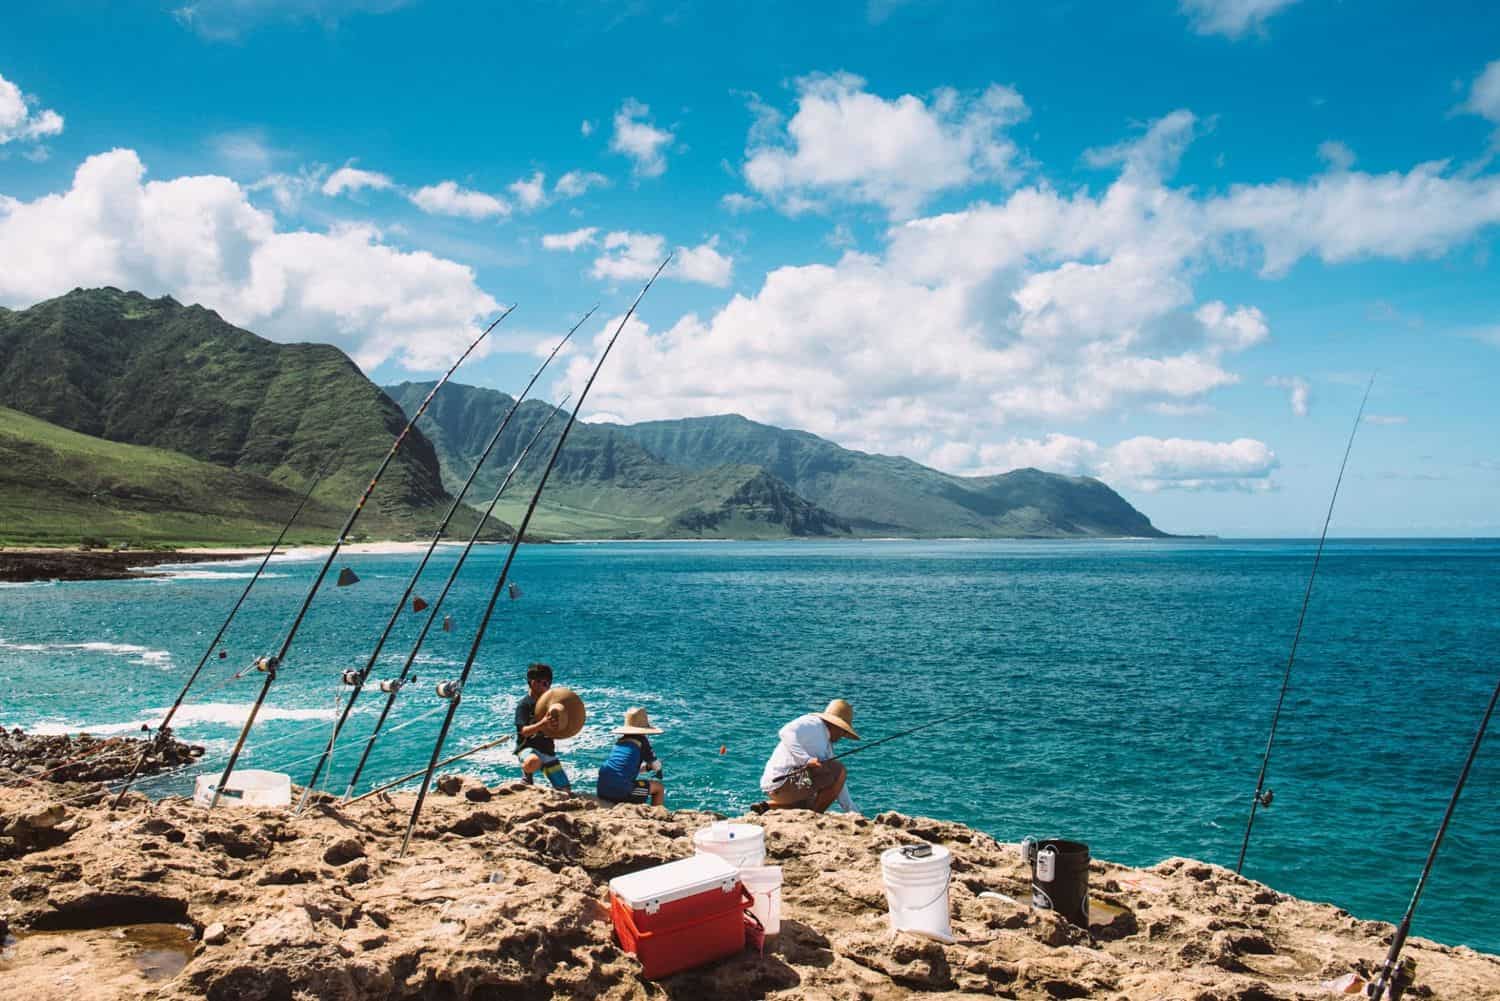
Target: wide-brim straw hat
573, 713
840, 714
637, 722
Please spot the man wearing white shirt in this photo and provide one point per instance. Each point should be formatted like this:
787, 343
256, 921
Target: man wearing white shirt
802, 774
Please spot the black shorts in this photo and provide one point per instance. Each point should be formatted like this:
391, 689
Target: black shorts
640, 792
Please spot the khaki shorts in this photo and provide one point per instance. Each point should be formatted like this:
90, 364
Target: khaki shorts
790, 794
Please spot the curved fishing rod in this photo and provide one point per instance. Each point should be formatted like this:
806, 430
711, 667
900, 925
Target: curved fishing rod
1262, 795
1377, 992
163, 728
453, 691
876, 743
269, 664
356, 679
393, 687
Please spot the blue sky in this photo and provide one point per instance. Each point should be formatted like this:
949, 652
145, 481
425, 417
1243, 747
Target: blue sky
1160, 243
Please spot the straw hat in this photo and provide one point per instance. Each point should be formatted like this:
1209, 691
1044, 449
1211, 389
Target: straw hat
573, 713
636, 721
840, 714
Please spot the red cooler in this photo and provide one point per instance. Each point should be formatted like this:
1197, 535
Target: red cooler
680, 915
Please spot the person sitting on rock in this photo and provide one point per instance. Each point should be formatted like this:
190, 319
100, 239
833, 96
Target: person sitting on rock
801, 774
620, 778
534, 744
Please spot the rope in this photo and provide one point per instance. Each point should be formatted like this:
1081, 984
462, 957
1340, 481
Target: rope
1286, 678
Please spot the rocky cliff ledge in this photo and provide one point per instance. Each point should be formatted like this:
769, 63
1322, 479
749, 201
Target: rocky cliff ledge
503, 896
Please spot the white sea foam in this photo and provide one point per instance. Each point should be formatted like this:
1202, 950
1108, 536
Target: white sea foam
201, 574
137, 654
207, 714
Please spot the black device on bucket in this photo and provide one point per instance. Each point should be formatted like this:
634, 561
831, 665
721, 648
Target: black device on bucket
1059, 877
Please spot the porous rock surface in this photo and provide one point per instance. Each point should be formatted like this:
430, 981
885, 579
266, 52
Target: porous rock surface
505, 897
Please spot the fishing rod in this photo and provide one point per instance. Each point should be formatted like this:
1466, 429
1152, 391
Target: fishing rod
1262, 796
441, 764
356, 679
1388, 971
453, 691
392, 687
163, 728
269, 664
876, 743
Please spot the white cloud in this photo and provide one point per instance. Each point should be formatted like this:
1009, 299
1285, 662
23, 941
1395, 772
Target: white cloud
1337, 155
20, 121
570, 241
447, 198
1153, 156
1231, 18
576, 183
246, 151
635, 256
636, 137
224, 20
530, 192
351, 179
1298, 391
201, 240
1140, 463
1484, 93
586, 128
288, 190
1386, 419
736, 203
846, 144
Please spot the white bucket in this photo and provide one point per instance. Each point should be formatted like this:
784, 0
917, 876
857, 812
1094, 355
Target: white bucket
741, 845
916, 890
764, 884
250, 787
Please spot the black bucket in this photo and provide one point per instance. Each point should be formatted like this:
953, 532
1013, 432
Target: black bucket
1060, 878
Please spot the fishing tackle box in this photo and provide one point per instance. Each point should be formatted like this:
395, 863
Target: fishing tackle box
680, 915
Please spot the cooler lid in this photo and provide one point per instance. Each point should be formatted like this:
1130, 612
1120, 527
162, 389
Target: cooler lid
724, 833
684, 878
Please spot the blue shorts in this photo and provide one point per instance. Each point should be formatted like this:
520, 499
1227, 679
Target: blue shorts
640, 792
551, 767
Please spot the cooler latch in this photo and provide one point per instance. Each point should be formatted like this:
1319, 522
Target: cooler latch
653, 905
729, 885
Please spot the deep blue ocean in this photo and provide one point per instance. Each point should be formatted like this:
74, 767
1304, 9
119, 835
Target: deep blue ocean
1117, 693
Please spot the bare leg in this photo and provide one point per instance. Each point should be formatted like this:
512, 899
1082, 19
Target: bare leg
531, 766
826, 796
658, 793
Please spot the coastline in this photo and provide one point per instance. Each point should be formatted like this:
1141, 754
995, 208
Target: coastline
19, 565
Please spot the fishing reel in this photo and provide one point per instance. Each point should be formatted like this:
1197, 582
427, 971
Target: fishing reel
1265, 798
351, 678
267, 664
391, 685
448, 689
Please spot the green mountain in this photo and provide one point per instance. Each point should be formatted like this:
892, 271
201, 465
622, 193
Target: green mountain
710, 475
604, 484
59, 487
889, 495
152, 372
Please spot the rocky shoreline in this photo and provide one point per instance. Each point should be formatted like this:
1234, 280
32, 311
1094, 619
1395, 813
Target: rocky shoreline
26, 565
504, 895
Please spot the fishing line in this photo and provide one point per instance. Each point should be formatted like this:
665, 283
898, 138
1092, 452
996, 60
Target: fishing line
876, 743
1378, 991
454, 691
162, 727
1262, 796
357, 682
393, 687
270, 664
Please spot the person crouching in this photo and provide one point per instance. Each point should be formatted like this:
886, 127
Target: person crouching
620, 776
535, 748
801, 774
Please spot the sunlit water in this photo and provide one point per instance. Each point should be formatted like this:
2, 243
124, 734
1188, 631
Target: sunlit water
1116, 692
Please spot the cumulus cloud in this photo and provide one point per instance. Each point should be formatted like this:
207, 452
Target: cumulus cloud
21, 120
1298, 391
1337, 155
1231, 18
1484, 94
570, 241
846, 144
201, 240
1140, 463
447, 198
639, 139
1154, 155
576, 183
530, 192
736, 203
635, 256
351, 179
586, 128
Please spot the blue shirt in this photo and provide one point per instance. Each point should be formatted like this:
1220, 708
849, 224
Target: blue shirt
618, 773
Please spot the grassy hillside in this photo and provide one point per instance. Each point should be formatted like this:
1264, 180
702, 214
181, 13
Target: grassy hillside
120, 366
885, 494
58, 487
605, 485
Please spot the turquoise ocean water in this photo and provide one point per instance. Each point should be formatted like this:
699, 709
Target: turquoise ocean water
1118, 693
